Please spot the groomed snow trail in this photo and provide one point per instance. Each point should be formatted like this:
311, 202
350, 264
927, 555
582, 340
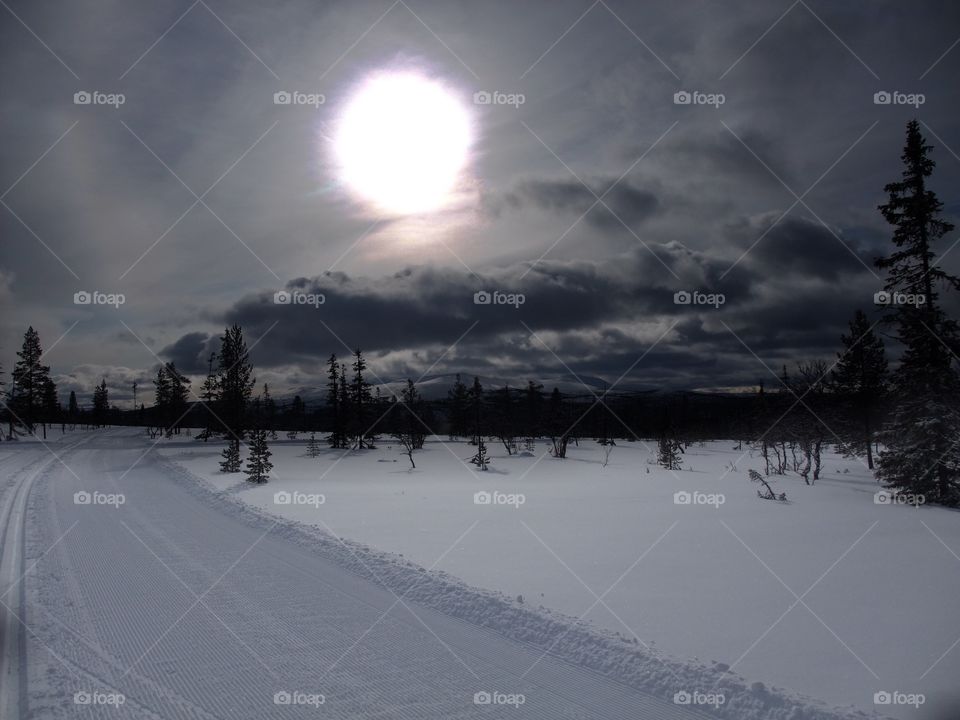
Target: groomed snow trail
164, 606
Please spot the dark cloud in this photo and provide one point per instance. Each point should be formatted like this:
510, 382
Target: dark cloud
622, 200
190, 352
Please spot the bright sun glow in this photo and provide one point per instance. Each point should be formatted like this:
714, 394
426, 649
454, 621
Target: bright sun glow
402, 143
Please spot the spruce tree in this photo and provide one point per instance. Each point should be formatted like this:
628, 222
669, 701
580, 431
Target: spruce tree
258, 461
161, 398
669, 450
101, 403
234, 385
860, 378
921, 455
29, 378
73, 409
51, 405
558, 424
269, 412
313, 446
361, 399
178, 397
476, 410
336, 438
208, 395
345, 407
458, 399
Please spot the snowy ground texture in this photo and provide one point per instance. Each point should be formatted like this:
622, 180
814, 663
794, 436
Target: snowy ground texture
830, 594
198, 596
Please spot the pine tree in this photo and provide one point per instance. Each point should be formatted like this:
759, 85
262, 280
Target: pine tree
269, 412
476, 410
258, 461
481, 459
231, 456
101, 403
178, 396
297, 412
51, 405
533, 399
668, 451
73, 409
860, 378
208, 395
313, 446
921, 455
336, 438
361, 400
234, 385
29, 378
504, 419
458, 399
345, 406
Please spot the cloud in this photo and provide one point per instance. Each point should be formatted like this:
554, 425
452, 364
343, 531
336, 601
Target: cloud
622, 200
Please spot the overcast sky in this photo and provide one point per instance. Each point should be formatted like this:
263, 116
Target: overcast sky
769, 198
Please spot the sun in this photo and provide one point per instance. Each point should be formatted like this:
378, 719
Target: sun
402, 143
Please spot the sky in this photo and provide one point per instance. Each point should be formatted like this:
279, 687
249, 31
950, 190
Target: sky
594, 194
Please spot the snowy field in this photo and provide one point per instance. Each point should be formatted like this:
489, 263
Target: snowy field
831, 594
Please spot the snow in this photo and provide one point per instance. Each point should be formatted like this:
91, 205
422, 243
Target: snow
830, 594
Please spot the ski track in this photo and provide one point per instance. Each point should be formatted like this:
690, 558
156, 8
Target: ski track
293, 609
